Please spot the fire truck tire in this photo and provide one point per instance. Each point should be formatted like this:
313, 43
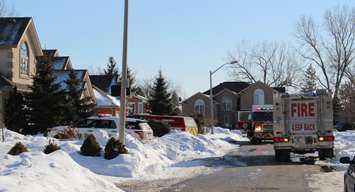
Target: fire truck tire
282, 155
325, 153
255, 141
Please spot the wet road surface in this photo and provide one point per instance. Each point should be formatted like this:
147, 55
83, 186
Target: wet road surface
252, 168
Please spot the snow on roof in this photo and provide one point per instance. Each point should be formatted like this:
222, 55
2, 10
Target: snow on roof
62, 76
104, 100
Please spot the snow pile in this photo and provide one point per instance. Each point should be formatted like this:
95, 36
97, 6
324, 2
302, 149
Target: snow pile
58, 169
344, 144
36, 171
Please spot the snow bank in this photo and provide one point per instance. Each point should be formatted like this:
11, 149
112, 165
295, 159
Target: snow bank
36, 171
82, 172
344, 145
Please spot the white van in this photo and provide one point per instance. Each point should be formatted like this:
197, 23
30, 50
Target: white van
136, 127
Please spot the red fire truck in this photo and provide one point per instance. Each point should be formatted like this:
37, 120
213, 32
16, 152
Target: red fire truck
261, 127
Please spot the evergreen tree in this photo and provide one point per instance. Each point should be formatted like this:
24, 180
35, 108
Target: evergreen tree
310, 80
76, 108
111, 67
15, 119
160, 101
46, 99
175, 102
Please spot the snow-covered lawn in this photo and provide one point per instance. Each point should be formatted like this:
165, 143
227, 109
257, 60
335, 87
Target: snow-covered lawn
67, 170
333, 181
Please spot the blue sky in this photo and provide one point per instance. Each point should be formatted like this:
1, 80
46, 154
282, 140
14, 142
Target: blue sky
184, 38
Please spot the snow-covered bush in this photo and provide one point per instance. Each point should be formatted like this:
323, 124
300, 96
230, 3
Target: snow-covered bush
114, 148
17, 149
51, 147
90, 146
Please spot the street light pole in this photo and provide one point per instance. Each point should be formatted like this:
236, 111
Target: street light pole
211, 93
124, 82
211, 103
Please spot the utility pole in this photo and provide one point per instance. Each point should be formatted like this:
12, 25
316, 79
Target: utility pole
211, 107
124, 81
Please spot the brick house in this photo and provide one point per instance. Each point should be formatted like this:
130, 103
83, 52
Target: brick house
232, 101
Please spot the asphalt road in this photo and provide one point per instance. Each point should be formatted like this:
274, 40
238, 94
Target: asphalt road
250, 169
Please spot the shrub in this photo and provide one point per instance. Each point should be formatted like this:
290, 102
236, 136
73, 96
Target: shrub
17, 149
68, 133
114, 148
159, 128
51, 147
90, 146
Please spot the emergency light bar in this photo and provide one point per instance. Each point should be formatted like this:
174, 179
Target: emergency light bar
262, 108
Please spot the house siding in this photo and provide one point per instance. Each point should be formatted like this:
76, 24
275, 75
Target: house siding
247, 96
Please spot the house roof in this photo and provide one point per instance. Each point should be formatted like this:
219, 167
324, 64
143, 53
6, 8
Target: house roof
235, 86
5, 82
63, 75
103, 82
12, 29
59, 63
50, 52
104, 100
280, 89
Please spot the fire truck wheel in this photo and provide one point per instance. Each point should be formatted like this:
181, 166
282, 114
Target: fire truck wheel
282, 155
325, 153
255, 141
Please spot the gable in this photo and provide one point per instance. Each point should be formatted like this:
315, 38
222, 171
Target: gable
196, 96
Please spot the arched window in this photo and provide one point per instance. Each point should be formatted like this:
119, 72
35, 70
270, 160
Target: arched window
199, 106
24, 59
227, 104
259, 97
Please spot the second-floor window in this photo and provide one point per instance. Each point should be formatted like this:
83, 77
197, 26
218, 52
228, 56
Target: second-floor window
227, 104
199, 107
259, 97
24, 59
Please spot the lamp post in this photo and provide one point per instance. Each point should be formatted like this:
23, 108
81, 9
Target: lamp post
211, 93
124, 82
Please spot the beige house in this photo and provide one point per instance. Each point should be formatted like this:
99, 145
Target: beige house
20, 51
19, 47
232, 101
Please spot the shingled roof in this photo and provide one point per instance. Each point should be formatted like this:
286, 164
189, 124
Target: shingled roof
63, 75
12, 29
103, 82
235, 86
50, 52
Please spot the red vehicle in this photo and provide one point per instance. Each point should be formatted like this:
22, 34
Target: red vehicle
262, 123
182, 123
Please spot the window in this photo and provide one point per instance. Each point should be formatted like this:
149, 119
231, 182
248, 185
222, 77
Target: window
227, 104
140, 107
199, 106
24, 59
259, 97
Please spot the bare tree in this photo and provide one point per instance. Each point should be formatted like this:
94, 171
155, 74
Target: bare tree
270, 63
331, 50
4, 10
